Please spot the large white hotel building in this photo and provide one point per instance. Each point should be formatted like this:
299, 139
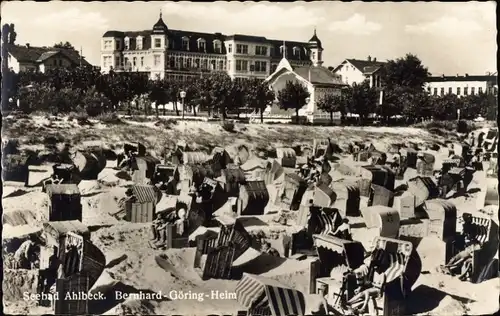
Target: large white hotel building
179, 54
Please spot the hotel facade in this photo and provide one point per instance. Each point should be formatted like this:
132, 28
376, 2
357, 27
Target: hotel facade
163, 52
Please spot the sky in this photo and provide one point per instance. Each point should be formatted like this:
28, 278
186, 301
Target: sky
449, 37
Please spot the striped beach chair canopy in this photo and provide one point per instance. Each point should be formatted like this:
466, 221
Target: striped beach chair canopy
265, 296
483, 227
353, 251
326, 219
395, 254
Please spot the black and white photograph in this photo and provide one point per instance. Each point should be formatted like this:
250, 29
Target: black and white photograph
249, 158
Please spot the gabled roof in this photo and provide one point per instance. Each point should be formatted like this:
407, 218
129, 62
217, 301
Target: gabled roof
316, 75
35, 54
47, 55
365, 66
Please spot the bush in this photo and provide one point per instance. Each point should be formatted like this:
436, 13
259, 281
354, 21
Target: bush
109, 118
166, 123
463, 127
81, 117
228, 126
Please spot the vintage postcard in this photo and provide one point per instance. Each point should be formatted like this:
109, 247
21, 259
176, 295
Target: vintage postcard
249, 158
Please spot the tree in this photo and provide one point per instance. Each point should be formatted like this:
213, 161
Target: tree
258, 96
65, 45
158, 93
408, 72
333, 103
222, 92
94, 103
446, 106
293, 96
363, 99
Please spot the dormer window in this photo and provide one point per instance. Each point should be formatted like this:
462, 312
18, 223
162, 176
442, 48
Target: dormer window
127, 43
296, 52
138, 42
217, 46
281, 49
202, 45
185, 43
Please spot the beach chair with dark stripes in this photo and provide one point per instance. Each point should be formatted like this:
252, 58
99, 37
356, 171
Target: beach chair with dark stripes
264, 296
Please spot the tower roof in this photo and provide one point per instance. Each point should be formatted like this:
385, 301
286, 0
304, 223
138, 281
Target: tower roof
160, 27
315, 42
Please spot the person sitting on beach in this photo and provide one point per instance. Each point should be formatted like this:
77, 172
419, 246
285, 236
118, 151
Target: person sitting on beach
266, 248
360, 302
458, 260
344, 230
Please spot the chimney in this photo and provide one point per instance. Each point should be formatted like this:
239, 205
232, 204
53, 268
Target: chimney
467, 75
369, 58
27, 45
374, 59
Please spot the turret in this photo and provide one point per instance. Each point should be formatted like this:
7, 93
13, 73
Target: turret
316, 50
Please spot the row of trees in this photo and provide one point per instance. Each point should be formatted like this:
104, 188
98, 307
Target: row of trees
403, 94
80, 89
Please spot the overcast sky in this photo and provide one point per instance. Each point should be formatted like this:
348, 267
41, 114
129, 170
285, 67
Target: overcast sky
450, 38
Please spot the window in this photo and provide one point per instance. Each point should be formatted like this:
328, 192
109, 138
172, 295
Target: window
221, 65
230, 48
138, 43
241, 49
117, 44
296, 52
196, 63
212, 65
313, 55
107, 44
181, 62
242, 65
157, 42
480, 90
185, 43
261, 50
142, 61
126, 62
229, 65
134, 61
172, 62
442, 91
202, 45
450, 90
217, 47
117, 61
157, 60
127, 43
458, 90
260, 66
189, 62
435, 91
319, 55
106, 62
55, 62
472, 90
466, 90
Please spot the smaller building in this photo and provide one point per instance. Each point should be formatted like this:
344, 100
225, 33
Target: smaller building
318, 80
462, 85
31, 58
355, 71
